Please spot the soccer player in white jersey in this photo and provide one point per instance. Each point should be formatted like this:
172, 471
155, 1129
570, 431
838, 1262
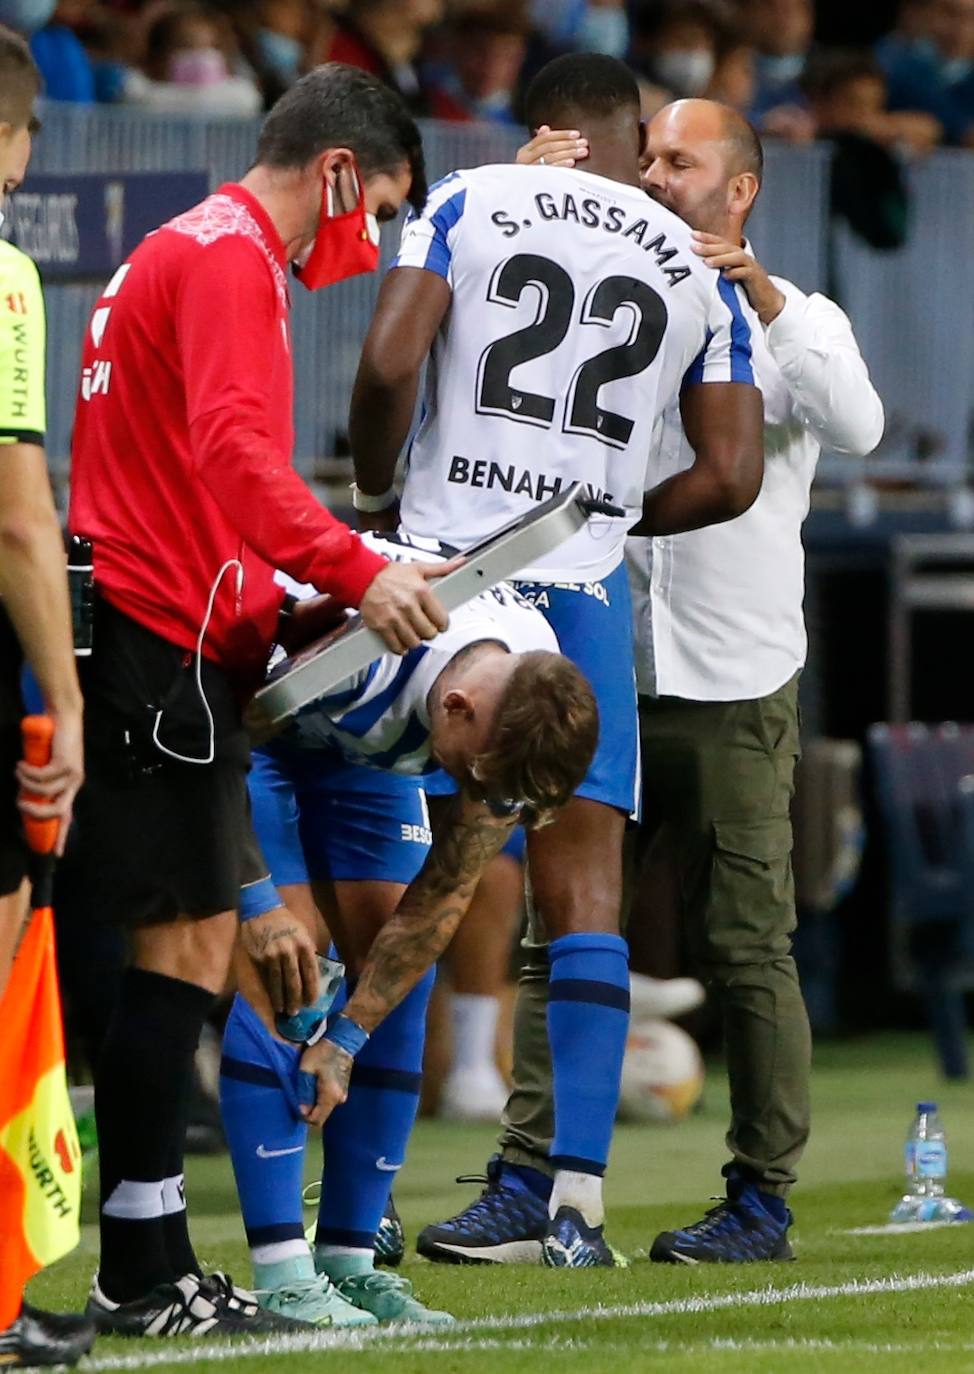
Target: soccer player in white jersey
561, 314
720, 639
515, 723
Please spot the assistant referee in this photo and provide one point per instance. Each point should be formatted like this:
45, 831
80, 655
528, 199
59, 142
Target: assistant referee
34, 624
182, 479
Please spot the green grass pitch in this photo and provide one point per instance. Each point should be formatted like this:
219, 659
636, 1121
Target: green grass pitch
851, 1302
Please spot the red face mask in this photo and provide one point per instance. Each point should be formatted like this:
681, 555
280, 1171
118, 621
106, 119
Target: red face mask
345, 245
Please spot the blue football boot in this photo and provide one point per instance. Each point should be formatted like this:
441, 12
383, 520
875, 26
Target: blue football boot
570, 1243
505, 1225
390, 1239
739, 1230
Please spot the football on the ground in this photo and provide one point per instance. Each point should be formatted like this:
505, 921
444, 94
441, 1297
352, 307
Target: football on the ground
662, 1073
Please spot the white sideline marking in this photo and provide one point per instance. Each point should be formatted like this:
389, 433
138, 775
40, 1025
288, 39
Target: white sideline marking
900, 1228
418, 1338
758, 1297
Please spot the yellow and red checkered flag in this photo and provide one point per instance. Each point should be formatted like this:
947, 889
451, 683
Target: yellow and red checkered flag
40, 1159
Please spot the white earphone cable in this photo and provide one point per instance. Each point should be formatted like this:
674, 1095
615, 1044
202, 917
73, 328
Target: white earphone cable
211, 751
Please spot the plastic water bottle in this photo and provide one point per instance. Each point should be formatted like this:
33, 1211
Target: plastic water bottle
926, 1153
926, 1172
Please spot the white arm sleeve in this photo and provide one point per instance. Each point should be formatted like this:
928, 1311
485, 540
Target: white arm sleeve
813, 344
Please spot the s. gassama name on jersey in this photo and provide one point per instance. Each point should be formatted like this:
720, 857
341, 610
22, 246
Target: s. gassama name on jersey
610, 219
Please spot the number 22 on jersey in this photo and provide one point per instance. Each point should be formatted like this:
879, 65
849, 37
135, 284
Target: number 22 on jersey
579, 411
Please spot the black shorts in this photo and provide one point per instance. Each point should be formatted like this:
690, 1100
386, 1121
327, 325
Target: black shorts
159, 838
14, 854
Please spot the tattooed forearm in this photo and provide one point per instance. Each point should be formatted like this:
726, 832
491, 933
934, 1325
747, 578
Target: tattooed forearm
430, 910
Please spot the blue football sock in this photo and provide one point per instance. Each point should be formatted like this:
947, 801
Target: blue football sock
365, 1139
265, 1134
588, 1020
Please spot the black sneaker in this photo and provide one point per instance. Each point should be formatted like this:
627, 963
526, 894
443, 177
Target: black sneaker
505, 1225
190, 1306
570, 1243
739, 1230
45, 1338
390, 1239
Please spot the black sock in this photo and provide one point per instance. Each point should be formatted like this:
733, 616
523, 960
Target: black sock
175, 1225
141, 1092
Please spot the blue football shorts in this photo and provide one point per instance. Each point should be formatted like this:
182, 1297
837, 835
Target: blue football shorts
320, 818
593, 622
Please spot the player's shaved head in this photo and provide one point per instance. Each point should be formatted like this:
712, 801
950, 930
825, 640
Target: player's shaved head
708, 121
598, 96
574, 90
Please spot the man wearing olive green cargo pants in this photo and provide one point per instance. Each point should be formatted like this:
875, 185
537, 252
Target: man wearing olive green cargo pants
718, 779
720, 644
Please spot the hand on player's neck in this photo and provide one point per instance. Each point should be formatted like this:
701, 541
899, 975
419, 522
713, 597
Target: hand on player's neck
613, 145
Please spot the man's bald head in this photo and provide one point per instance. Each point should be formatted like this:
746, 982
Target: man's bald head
710, 121
704, 162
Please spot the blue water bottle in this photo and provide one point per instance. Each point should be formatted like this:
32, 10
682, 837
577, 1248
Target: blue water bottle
302, 1026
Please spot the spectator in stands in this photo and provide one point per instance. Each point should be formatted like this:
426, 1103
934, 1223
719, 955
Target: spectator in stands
384, 38
585, 25
929, 64
677, 45
734, 81
485, 50
847, 94
64, 65
281, 39
190, 52
781, 30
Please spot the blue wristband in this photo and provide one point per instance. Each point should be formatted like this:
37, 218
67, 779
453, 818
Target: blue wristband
346, 1034
257, 899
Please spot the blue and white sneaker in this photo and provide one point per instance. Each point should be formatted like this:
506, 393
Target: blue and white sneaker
570, 1243
505, 1225
739, 1230
390, 1239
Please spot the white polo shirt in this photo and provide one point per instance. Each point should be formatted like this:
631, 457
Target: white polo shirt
718, 611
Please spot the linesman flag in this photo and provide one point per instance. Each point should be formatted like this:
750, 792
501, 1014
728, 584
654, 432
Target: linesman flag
40, 1159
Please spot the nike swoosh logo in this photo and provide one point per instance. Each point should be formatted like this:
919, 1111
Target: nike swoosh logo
387, 1168
264, 1153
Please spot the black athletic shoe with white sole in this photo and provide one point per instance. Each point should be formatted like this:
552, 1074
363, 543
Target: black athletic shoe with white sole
38, 1339
190, 1306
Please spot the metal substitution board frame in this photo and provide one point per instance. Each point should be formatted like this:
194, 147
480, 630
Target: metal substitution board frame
342, 653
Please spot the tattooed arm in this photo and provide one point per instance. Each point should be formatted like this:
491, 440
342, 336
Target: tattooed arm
284, 955
430, 910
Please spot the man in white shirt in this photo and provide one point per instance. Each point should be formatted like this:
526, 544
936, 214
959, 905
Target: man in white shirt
720, 644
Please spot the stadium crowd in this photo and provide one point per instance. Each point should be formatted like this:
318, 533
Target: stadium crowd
898, 74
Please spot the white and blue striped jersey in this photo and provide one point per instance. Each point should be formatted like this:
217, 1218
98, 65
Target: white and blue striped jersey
578, 309
380, 716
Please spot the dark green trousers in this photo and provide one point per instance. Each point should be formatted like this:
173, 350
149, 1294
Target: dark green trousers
718, 780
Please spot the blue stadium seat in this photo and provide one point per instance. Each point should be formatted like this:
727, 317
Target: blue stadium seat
929, 816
